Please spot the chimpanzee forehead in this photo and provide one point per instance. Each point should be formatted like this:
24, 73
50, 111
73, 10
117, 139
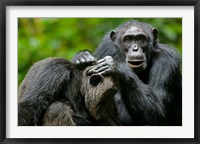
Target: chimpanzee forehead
134, 29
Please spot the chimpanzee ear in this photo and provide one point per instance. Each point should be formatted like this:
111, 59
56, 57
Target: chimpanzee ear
155, 33
113, 36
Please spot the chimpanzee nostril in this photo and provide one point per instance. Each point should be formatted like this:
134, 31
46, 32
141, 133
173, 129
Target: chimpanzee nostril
135, 47
95, 79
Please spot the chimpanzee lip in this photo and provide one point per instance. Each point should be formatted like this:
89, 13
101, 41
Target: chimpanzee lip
136, 63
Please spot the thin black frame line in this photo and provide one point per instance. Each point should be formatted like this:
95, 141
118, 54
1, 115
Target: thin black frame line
197, 70
3, 4
3, 72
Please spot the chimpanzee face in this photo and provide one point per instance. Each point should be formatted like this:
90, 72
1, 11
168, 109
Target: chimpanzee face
134, 42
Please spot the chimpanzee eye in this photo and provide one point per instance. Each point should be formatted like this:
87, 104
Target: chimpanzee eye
127, 39
141, 39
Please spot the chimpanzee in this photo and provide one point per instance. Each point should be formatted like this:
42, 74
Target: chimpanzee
149, 74
55, 92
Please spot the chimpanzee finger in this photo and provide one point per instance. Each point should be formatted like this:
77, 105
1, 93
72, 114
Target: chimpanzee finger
100, 70
86, 58
89, 59
108, 60
93, 59
101, 60
95, 68
98, 66
82, 60
77, 62
105, 72
87, 53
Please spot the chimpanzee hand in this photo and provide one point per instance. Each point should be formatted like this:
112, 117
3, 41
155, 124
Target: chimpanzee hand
84, 59
104, 66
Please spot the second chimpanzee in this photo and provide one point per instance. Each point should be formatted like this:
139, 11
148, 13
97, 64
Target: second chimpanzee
55, 93
149, 73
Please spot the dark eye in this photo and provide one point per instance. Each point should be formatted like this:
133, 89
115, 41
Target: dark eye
141, 39
127, 39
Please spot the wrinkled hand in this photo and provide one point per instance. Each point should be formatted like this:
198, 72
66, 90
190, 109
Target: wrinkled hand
104, 66
84, 59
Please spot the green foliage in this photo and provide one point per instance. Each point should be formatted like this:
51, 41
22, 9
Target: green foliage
39, 38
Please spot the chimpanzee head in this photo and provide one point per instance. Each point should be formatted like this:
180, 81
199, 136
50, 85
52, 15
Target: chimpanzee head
135, 40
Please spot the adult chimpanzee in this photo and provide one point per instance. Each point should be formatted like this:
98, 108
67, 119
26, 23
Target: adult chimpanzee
55, 92
149, 73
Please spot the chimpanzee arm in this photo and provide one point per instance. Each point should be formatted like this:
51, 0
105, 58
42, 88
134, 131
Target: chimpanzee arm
142, 103
42, 85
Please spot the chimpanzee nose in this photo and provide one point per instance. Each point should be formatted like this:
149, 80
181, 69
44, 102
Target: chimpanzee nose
135, 47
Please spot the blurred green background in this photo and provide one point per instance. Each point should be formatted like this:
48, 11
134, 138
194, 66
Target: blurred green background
39, 38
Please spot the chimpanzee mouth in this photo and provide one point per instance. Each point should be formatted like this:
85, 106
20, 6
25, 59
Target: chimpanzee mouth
136, 63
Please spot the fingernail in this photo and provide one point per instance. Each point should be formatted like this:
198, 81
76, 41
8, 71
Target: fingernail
82, 60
